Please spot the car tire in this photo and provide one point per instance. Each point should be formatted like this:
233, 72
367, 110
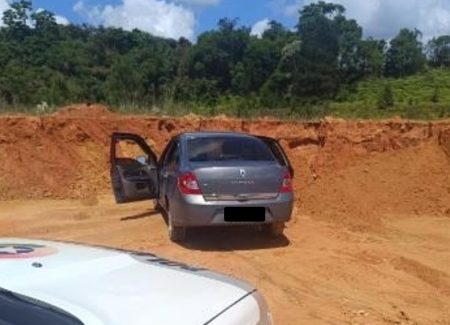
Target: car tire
176, 233
275, 229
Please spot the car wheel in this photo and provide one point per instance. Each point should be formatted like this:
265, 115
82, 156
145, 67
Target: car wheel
275, 229
176, 233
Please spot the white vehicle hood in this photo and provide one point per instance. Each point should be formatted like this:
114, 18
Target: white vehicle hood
102, 286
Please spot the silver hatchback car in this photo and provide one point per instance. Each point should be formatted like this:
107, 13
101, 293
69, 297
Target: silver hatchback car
208, 179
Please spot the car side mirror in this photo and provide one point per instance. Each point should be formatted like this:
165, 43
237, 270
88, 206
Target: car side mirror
143, 160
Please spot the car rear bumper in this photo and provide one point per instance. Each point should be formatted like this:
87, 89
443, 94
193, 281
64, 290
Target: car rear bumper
195, 211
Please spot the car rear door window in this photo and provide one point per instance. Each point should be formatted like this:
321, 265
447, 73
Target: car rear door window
173, 157
228, 149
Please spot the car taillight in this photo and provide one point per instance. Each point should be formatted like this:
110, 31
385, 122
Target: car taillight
286, 185
188, 184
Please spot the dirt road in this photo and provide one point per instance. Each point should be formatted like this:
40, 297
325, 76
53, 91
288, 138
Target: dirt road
317, 274
369, 242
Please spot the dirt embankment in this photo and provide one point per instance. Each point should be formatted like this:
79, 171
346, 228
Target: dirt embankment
342, 167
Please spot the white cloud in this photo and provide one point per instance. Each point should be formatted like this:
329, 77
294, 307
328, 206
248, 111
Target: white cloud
260, 27
61, 20
4, 5
157, 17
79, 7
384, 18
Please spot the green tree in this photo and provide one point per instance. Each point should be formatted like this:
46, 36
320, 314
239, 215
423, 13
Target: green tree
439, 51
371, 57
239, 80
44, 20
217, 52
182, 56
125, 82
350, 41
318, 73
405, 55
278, 34
16, 18
269, 63
260, 60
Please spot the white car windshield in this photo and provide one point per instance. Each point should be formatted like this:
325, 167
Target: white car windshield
16, 309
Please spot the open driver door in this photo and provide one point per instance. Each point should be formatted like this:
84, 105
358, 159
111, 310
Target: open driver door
134, 169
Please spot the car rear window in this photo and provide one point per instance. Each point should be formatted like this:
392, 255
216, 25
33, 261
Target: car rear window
228, 149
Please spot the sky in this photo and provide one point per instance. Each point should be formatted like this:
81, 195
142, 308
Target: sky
188, 18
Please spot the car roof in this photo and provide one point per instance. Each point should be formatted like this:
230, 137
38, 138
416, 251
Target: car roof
215, 134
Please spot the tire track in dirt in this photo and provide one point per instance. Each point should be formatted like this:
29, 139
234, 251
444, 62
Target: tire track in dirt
437, 279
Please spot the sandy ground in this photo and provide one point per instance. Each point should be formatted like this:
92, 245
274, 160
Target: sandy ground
317, 274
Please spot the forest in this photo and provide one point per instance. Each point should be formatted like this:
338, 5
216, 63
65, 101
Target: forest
325, 66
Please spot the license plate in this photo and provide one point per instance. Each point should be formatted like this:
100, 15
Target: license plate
245, 214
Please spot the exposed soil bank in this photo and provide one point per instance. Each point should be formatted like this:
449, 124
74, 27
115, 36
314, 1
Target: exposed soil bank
362, 167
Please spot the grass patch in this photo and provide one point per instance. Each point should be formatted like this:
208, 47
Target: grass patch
432, 86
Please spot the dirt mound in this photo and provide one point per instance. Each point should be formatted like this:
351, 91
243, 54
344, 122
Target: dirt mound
84, 111
412, 181
345, 170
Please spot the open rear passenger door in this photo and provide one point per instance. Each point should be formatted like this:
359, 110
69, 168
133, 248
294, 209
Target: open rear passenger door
134, 169
279, 153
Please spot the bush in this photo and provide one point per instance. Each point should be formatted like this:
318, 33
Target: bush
386, 98
435, 98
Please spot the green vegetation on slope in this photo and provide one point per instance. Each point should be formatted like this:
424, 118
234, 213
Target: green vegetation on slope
325, 67
427, 87
425, 95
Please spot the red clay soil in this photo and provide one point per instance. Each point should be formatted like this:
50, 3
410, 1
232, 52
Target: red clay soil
368, 243
362, 167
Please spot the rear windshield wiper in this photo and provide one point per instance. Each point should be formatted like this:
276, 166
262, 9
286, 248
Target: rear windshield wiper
228, 157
